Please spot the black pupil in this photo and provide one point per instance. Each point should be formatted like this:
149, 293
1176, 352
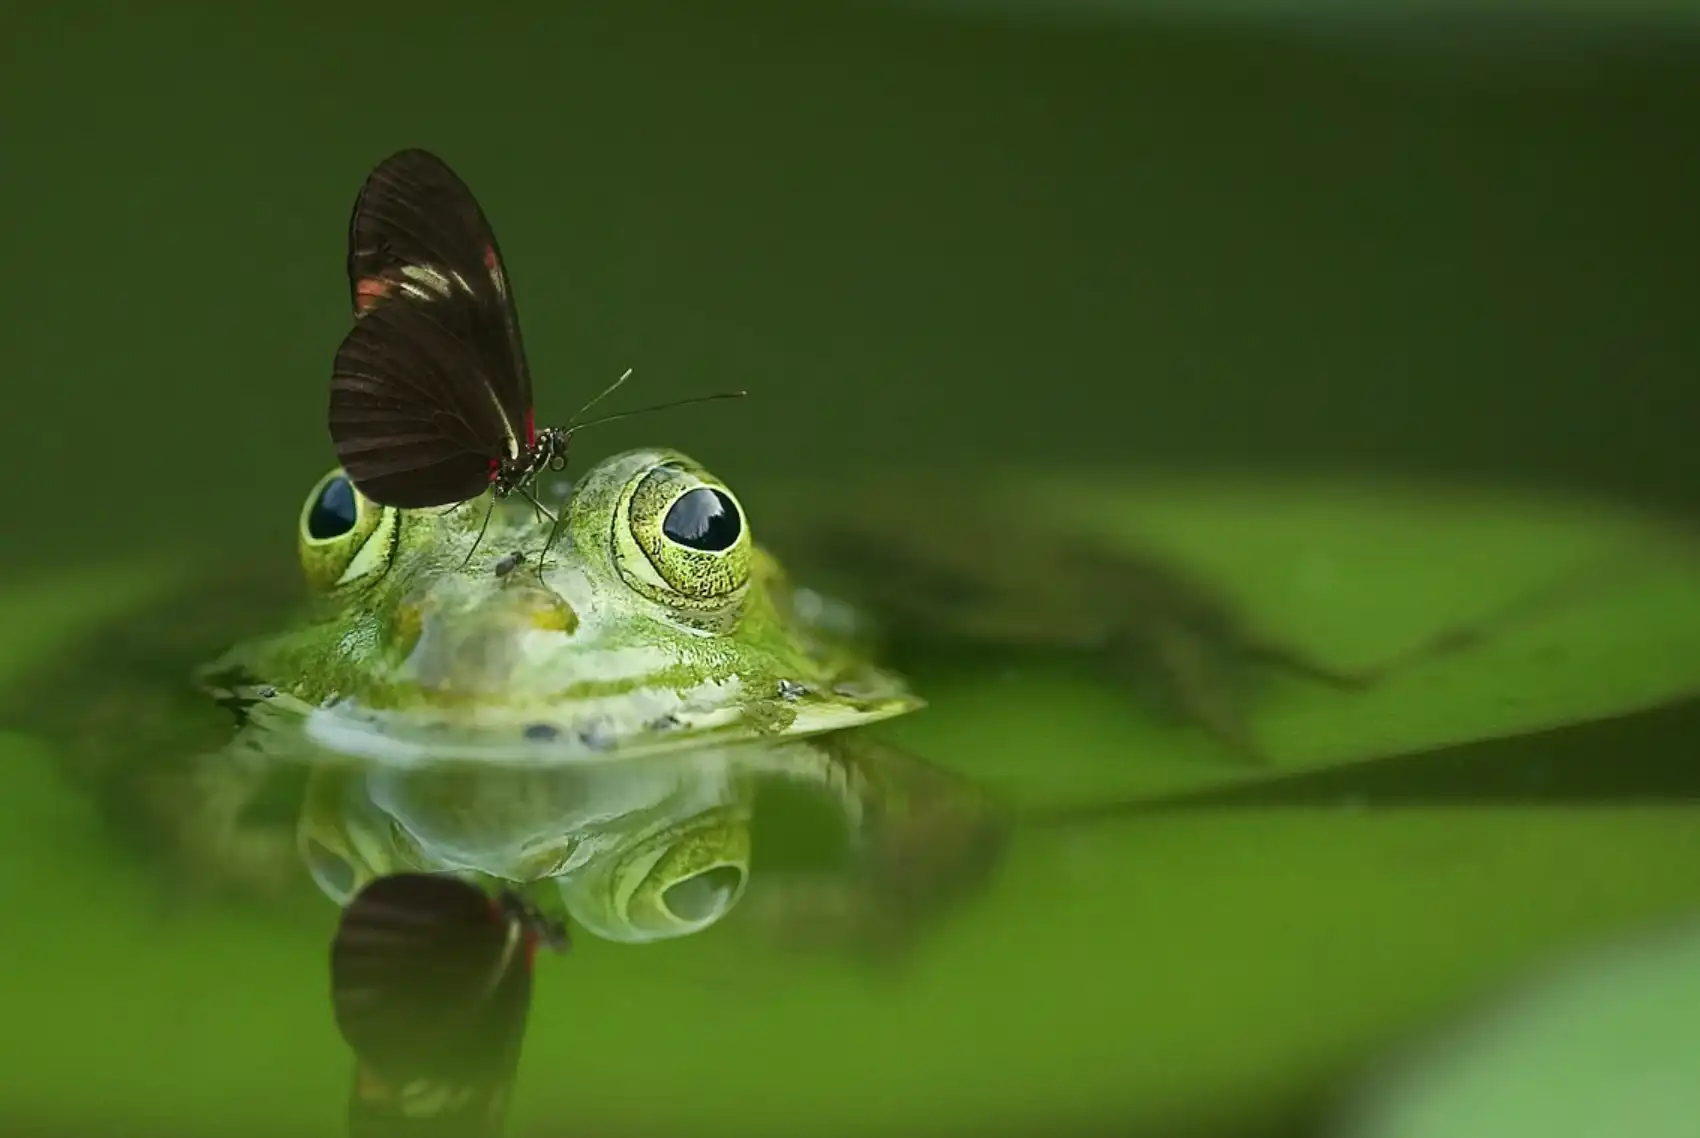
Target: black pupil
703, 896
334, 513
703, 519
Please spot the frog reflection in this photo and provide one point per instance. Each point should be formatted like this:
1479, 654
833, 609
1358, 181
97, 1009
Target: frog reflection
636, 851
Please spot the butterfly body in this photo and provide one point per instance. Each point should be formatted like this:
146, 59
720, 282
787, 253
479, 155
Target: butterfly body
543, 450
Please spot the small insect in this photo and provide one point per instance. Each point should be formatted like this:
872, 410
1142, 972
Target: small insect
508, 562
431, 400
430, 987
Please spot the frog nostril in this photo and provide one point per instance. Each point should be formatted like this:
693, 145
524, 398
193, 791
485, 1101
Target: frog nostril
704, 896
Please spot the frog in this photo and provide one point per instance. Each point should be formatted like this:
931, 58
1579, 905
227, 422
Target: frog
586, 696
594, 721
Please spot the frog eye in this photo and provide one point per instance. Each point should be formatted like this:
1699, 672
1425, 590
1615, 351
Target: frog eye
671, 883
691, 533
333, 511
692, 886
343, 535
703, 519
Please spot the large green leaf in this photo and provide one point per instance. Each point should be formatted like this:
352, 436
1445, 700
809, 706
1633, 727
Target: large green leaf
1589, 611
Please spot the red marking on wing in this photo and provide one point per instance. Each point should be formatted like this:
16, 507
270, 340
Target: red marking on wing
490, 260
530, 427
368, 291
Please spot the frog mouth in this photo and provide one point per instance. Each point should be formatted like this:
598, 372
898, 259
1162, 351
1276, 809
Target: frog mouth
590, 729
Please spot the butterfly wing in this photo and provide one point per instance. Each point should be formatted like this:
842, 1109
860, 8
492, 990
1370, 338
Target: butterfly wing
431, 385
413, 410
427, 1108
430, 981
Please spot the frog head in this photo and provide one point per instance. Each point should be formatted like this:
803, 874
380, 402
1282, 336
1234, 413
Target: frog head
654, 623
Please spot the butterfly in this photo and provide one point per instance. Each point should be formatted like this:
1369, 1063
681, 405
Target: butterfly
430, 988
431, 395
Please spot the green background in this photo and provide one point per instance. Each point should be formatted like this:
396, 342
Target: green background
900, 229
1272, 243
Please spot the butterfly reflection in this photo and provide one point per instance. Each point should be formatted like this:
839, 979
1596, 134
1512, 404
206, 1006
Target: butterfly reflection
430, 987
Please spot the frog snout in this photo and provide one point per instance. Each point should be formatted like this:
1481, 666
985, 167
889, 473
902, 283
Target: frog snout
477, 648
546, 610
512, 612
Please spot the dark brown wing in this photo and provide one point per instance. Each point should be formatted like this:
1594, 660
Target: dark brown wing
413, 412
414, 210
428, 284
430, 980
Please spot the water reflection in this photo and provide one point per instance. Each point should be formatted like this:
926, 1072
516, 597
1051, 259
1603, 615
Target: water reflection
661, 847
451, 876
430, 988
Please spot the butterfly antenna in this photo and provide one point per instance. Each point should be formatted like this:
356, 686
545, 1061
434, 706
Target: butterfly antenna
603, 394
656, 407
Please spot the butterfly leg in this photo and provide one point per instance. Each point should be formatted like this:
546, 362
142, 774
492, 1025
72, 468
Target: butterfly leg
554, 526
554, 532
541, 511
479, 540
